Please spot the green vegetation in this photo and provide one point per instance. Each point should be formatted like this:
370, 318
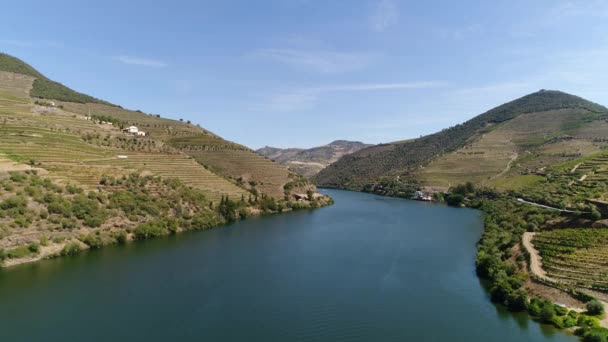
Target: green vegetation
13, 64
42, 86
595, 307
47, 89
367, 166
134, 206
575, 256
72, 181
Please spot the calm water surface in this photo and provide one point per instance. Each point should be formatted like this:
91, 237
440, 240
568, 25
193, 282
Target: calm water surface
368, 268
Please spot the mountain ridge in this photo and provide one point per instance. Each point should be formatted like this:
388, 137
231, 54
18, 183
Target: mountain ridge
366, 167
309, 162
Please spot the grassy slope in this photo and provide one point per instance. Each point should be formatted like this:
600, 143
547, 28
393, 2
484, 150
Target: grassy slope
485, 132
62, 150
234, 167
519, 146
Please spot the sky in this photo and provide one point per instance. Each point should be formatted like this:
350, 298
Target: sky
302, 73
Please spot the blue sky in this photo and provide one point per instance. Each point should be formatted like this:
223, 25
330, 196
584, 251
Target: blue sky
302, 72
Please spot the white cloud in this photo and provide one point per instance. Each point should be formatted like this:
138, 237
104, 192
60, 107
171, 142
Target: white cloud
385, 15
322, 61
139, 61
306, 98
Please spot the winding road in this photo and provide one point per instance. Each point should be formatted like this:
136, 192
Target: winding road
550, 208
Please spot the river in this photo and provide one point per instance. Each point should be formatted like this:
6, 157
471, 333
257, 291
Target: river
368, 268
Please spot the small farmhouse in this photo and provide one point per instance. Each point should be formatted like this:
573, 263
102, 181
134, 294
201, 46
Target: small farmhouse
131, 130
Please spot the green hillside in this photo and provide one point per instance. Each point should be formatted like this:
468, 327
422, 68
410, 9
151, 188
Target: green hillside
408, 159
70, 177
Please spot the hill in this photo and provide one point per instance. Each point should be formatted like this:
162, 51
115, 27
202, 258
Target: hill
515, 138
57, 144
309, 162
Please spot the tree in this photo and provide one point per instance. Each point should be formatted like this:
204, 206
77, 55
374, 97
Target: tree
547, 313
595, 307
455, 200
310, 194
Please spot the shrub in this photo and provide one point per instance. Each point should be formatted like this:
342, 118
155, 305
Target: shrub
71, 248
18, 177
18, 252
535, 307
14, 202
58, 239
121, 237
150, 229
34, 248
569, 322
587, 322
560, 310
517, 301
454, 200
93, 241
595, 307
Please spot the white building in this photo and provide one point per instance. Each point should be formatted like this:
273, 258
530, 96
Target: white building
141, 133
132, 130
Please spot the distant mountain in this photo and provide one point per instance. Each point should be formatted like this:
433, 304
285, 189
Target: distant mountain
309, 162
515, 138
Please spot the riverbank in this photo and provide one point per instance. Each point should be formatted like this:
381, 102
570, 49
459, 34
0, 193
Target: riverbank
40, 219
503, 261
75, 245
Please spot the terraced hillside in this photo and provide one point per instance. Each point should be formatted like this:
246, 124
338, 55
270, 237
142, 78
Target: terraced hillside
516, 138
72, 178
524, 145
575, 256
77, 138
53, 139
230, 160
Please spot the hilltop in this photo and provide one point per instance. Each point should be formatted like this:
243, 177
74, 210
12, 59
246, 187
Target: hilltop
517, 138
309, 162
72, 174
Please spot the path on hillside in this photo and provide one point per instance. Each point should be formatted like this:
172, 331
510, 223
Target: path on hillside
575, 167
548, 207
508, 167
536, 268
535, 259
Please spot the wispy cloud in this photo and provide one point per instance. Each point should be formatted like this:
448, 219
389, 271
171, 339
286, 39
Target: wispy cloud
322, 61
385, 15
306, 98
459, 33
30, 43
140, 61
587, 8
